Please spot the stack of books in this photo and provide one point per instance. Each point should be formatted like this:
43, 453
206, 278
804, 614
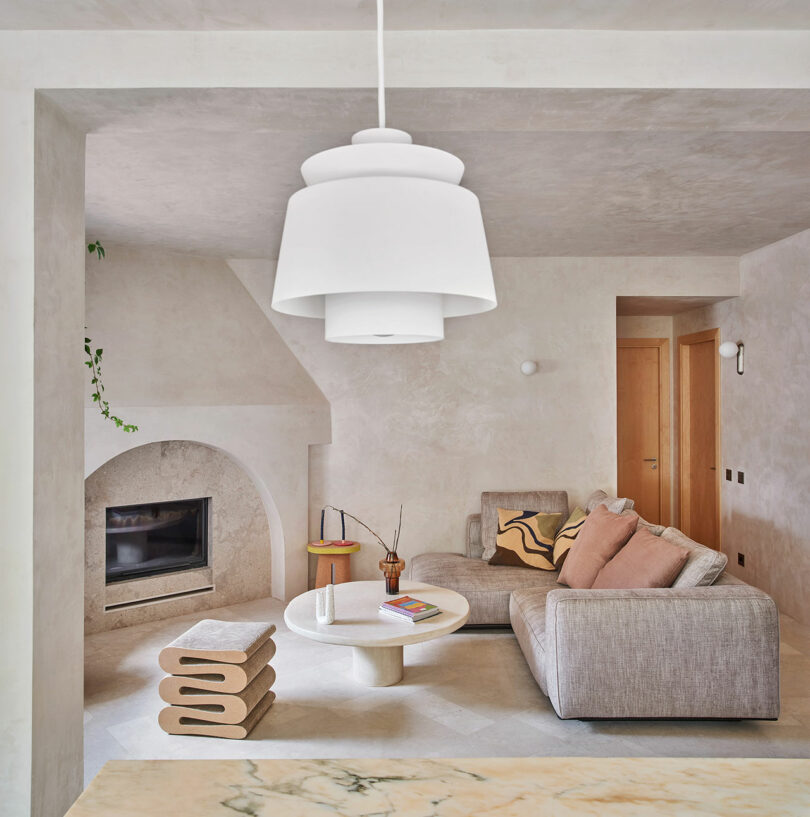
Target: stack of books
409, 609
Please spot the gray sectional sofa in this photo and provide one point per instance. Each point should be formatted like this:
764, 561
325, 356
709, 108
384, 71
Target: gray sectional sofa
687, 651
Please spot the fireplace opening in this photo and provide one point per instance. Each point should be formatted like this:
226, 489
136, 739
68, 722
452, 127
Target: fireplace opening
158, 537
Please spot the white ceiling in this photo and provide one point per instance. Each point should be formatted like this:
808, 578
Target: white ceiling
405, 14
558, 172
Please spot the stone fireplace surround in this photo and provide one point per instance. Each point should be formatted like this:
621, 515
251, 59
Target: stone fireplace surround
239, 534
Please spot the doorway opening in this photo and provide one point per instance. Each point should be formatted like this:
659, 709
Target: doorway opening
699, 436
668, 434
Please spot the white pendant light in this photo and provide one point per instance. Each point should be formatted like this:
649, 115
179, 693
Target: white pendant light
382, 243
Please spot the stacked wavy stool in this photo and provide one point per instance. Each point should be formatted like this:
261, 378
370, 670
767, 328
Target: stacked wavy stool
220, 679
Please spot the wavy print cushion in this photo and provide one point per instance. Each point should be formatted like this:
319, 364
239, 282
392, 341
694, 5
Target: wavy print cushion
525, 539
566, 535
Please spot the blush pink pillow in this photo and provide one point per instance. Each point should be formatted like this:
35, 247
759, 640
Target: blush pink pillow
601, 537
646, 560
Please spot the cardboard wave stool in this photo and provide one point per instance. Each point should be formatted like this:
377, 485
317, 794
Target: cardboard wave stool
220, 679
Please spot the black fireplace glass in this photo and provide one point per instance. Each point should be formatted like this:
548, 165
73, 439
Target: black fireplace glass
157, 537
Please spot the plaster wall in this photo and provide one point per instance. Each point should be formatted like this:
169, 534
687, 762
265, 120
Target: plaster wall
765, 424
180, 329
16, 445
644, 326
239, 533
58, 540
270, 443
188, 355
415, 59
431, 426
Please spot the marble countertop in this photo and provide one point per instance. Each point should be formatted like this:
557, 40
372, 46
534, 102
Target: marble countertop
499, 787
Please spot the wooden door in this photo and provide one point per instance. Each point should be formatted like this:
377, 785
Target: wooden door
699, 437
642, 375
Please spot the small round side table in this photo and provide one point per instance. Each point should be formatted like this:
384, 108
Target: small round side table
334, 566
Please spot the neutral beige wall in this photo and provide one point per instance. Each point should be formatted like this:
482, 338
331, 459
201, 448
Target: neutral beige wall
644, 326
58, 543
189, 355
239, 534
765, 421
433, 425
180, 330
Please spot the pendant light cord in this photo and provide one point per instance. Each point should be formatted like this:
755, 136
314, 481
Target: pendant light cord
380, 66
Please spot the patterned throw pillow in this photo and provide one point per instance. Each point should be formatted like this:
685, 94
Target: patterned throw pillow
525, 539
566, 535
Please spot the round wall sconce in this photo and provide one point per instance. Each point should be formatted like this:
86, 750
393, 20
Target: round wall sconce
729, 349
528, 367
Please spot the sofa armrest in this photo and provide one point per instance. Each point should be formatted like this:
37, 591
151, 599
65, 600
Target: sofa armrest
474, 549
703, 652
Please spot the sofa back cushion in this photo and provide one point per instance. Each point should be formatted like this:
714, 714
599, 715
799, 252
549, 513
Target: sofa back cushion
646, 560
615, 504
702, 567
602, 535
537, 501
643, 523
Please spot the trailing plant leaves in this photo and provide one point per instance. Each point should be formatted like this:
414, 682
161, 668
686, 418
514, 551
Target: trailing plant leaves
96, 247
94, 364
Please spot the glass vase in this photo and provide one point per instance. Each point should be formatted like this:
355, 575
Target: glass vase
392, 567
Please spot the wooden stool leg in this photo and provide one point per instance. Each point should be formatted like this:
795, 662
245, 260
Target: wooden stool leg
342, 568
323, 575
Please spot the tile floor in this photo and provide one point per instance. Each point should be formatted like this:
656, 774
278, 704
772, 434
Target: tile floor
469, 694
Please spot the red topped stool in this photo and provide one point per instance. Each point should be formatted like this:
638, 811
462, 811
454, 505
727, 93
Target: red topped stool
334, 565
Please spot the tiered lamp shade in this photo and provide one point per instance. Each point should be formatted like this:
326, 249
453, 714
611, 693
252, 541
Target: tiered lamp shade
382, 243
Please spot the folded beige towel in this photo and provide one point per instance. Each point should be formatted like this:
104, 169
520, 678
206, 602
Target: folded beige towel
214, 677
216, 706
228, 642
183, 720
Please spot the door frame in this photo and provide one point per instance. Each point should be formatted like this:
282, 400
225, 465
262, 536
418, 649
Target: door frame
664, 421
684, 447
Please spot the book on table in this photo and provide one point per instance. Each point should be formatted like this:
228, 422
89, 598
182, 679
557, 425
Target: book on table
409, 608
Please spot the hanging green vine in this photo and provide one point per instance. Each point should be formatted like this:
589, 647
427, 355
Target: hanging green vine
94, 364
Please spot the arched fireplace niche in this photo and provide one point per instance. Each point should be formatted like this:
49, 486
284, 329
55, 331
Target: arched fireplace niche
172, 527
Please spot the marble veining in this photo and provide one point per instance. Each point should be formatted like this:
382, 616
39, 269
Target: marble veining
507, 787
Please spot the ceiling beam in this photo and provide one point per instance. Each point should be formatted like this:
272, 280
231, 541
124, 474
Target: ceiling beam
417, 59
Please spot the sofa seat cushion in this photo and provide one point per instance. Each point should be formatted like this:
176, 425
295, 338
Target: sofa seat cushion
527, 612
486, 587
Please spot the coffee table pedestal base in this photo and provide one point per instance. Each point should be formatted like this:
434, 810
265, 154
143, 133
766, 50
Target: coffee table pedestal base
378, 666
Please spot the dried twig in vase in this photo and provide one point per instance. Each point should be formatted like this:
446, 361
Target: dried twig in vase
393, 548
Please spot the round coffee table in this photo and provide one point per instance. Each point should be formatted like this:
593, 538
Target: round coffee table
377, 638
